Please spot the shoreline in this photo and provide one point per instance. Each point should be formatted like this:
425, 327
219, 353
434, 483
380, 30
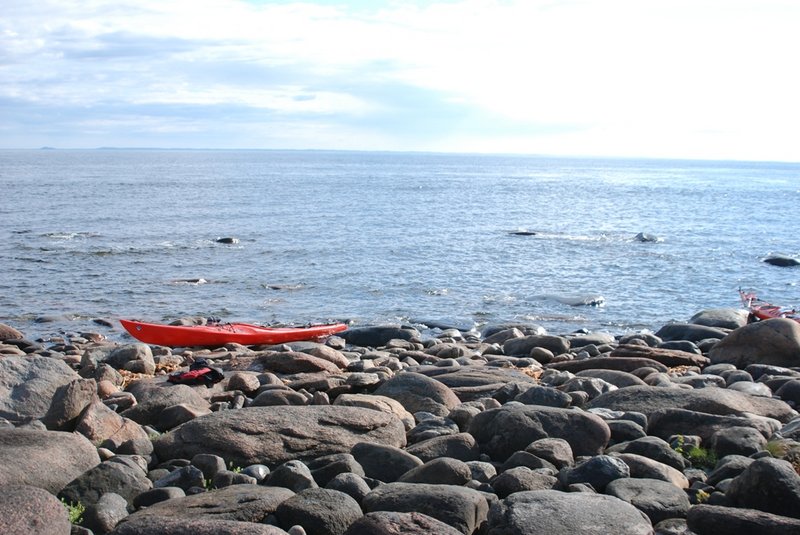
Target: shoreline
441, 432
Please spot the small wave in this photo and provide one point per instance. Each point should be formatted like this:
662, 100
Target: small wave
191, 282
437, 291
69, 235
593, 300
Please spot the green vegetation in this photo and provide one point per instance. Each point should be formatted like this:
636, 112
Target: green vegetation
74, 511
699, 457
233, 468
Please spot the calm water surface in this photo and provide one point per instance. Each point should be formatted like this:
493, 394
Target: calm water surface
386, 237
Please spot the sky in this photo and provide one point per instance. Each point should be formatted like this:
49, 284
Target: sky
699, 79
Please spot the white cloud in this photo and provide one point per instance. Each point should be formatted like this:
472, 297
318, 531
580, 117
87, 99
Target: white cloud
626, 77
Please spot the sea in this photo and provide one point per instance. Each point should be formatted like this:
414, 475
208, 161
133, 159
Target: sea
434, 240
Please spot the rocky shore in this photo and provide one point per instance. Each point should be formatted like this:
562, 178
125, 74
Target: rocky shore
384, 429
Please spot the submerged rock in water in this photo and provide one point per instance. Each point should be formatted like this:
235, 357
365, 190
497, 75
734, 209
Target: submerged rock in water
781, 261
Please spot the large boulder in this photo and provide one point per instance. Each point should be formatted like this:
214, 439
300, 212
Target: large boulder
378, 403
719, 401
417, 392
121, 476
28, 384
562, 513
44, 459
506, 430
659, 500
775, 342
69, 401
377, 336
667, 422
241, 503
152, 525
769, 485
27, 510
689, 331
154, 396
393, 523
718, 520
319, 511
274, 435
721, 318
9, 333
463, 508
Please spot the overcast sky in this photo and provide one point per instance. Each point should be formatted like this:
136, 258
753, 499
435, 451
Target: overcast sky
655, 78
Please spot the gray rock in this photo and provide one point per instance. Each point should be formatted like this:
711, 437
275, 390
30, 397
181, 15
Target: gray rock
668, 422
432, 427
554, 450
154, 496
101, 425
522, 347
294, 475
719, 401
544, 395
273, 435
44, 459
716, 520
69, 401
28, 384
460, 446
27, 510
659, 500
754, 389
737, 441
624, 431
462, 508
775, 342
291, 362
103, 516
721, 318
417, 392
208, 464
151, 525
644, 467
592, 386
325, 468
185, 478
241, 503
624, 364
597, 471
781, 260
528, 460
319, 511
691, 332
393, 523
379, 335
278, 396
521, 479
378, 403
441, 471
155, 395
384, 462
501, 432
566, 513
351, 484
769, 485
226, 478
136, 358
654, 448
9, 333
109, 476
728, 468
615, 377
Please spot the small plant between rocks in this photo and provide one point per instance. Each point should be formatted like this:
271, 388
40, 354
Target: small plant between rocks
75, 511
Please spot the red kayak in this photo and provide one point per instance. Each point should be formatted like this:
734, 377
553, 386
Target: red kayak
761, 310
218, 334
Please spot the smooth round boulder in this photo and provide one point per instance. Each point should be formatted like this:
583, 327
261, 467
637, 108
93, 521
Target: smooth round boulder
44, 459
27, 510
394, 523
417, 392
28, 384
501, 432
659, 500
319, 511
775, 342
274, 435
770, 485
566, 513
